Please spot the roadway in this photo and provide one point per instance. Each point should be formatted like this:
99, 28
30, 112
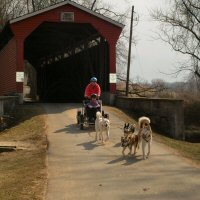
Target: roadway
81, 169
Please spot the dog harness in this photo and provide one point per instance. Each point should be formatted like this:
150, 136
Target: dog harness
146, 135
125, 141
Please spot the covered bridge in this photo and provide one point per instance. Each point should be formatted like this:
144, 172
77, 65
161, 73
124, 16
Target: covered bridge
65, 45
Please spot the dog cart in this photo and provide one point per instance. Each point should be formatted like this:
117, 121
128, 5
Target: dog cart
85, 119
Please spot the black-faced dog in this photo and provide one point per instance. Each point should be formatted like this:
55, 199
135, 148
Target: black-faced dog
129, 139
129, 128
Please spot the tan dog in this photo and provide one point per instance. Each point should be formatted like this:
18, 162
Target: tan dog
145, 135
129, 139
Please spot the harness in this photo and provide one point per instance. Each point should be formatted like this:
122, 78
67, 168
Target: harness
146, 134
124, 141
128, 132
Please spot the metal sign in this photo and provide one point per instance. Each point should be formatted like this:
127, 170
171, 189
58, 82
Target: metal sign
19, 76
113, 78
67, 16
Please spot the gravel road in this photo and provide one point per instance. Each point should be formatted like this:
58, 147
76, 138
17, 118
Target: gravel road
81, 169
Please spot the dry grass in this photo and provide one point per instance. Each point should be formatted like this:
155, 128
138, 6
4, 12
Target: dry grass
23, 172
184, 148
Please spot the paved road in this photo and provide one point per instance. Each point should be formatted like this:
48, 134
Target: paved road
81, 169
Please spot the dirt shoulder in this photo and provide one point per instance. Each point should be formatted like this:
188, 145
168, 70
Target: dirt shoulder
23, 172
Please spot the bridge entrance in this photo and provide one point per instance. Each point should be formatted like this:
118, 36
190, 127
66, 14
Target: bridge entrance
65, 56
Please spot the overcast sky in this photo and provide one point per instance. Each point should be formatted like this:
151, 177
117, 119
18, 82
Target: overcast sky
150, 57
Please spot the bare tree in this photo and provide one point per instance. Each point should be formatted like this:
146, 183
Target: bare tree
180, 28
141, 88
11, 9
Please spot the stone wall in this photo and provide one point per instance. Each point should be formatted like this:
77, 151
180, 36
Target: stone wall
167, 115
7, 104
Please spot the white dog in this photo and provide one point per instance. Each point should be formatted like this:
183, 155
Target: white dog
145, 135
101, 124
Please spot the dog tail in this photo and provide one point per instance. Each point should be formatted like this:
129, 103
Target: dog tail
142, 120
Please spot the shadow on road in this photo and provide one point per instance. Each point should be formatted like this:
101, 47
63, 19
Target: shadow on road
74, 129
89, 145
117, 144
128, 160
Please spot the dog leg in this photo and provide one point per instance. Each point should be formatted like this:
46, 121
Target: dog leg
96, 136
96, 129
130, 152
143, 149
107, 133
149, 148
101, 135
123, 151
135, 146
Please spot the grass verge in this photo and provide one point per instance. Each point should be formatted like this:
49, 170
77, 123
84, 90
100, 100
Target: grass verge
23, 172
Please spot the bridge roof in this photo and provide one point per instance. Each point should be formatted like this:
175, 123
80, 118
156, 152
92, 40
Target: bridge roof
65, 3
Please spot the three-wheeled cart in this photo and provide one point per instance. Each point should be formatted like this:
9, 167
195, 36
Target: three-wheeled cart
83, 120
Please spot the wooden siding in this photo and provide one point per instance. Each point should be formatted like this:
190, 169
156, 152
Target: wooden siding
12, 55
110, 32
8, 68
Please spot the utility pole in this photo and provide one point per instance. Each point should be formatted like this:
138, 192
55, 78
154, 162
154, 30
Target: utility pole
129, 53
93, 4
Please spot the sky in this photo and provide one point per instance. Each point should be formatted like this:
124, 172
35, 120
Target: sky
150, 58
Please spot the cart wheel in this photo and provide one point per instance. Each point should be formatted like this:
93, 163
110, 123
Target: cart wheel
78, 116
81, 121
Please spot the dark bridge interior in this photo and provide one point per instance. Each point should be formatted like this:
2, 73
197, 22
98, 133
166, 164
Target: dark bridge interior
65, 56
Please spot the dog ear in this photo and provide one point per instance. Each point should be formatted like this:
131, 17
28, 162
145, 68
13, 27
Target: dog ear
132, 128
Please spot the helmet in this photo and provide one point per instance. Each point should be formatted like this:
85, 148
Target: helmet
93, 79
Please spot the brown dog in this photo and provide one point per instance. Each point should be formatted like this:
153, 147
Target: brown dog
129, 139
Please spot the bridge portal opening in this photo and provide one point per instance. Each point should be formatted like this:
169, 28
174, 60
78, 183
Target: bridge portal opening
65, 56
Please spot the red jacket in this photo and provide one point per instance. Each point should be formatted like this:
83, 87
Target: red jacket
92, 89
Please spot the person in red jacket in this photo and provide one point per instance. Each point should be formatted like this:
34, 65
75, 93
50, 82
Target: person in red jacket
92, 92
92, 88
